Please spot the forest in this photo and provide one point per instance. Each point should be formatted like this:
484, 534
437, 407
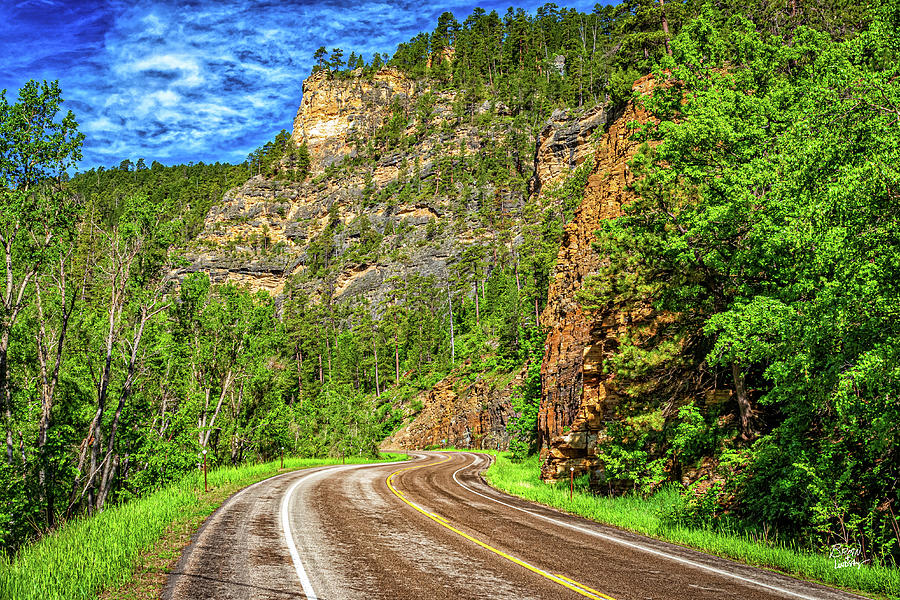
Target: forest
766, 226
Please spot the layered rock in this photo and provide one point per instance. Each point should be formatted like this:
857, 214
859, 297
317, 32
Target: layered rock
334, 112
455, 413
261, 233
576, 394
564, 143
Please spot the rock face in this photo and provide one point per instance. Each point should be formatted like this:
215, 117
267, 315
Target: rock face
333, 112
377, 215
576, 395
261, 235
565, 143
454, 413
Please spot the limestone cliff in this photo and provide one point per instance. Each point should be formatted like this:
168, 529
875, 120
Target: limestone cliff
261, 233
564, 143
374, 211
334, 112
576, 394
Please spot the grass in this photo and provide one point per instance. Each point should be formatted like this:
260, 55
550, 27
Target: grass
104, 552
647, 516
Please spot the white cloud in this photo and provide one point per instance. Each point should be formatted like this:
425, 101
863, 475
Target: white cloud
209, 80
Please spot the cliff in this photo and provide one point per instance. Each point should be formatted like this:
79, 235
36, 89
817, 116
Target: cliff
400, 198
387, 201
455, 413
333, 113
576, 395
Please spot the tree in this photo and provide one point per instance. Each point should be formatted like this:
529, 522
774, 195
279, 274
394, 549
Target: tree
766, 230
319, 57
336, 61
133, 281
36, 149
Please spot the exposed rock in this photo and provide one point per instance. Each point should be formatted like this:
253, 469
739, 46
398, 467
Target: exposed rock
261, 232
460, 415
576, 394
262, 236
332, 111
564, 143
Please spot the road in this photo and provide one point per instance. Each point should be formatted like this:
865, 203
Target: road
432, 529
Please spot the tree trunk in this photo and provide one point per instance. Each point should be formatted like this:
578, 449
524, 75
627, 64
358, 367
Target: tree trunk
298, 353
743, 400
452, 336
49, 365
111, 465
226, 384
377, 384
665, 26
6, 395
396, 361
477, 309
328, 350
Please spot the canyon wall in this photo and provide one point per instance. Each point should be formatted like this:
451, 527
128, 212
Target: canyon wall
576, 393
262, 234
334, 113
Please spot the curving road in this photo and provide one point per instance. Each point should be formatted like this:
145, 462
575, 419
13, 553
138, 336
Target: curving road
432, 529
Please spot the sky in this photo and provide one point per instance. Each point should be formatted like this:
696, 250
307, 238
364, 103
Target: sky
197, 80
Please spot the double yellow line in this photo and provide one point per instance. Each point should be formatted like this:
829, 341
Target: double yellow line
556, 578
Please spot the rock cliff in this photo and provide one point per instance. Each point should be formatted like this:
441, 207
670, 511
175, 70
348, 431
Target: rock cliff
460, 414
382, 204
576, 393
263, 233
333, 113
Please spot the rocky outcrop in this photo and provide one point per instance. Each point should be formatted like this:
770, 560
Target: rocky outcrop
576, 394
262, 233
371, 212
564, 143
459, 414
335, 112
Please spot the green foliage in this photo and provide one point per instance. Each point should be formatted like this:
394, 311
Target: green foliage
93, 554
766, 227
281, 158
114, 376
184, 192
526, 399
691, 438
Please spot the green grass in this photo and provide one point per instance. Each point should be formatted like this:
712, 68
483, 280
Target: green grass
646, 516
92, 554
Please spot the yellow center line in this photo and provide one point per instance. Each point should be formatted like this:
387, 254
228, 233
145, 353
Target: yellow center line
556, 578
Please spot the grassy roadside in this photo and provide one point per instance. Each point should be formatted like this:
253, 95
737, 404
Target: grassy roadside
647, 517
125, 551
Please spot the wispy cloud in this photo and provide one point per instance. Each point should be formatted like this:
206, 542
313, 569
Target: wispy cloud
179, 81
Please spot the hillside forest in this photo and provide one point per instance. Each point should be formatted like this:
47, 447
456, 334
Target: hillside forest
766, 228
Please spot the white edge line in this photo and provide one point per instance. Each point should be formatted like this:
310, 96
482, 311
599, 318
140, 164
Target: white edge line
442, 521
308, 590
630, 544
289, 539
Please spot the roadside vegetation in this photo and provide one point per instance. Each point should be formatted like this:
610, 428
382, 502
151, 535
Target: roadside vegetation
89, 555
660, 516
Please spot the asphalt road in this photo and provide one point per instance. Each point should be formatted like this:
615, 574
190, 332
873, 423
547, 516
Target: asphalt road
431, 529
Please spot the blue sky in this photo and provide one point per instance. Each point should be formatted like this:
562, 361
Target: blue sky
196, 80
